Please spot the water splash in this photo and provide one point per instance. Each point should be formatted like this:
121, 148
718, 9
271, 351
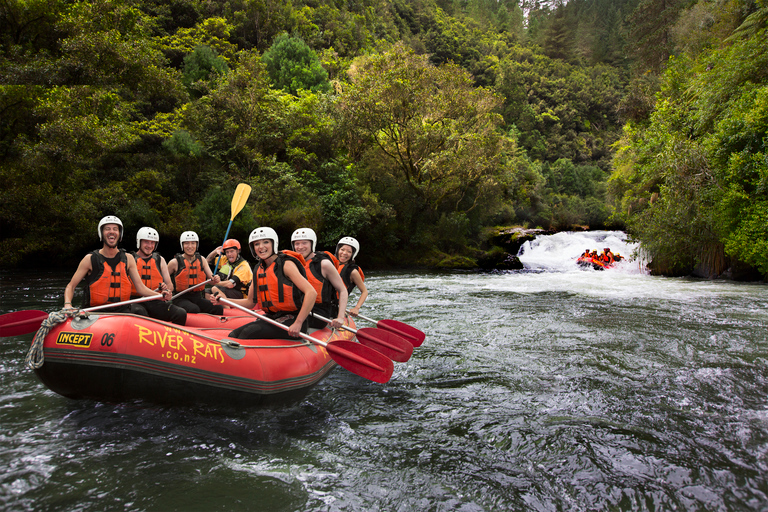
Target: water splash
559, 252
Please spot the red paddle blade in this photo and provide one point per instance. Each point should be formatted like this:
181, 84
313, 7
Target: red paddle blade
386, 342
412, 334
361, 360
21, 322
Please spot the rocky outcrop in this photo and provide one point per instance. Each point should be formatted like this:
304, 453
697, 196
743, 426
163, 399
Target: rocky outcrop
711, 263
512, 239
499, 259
505, 244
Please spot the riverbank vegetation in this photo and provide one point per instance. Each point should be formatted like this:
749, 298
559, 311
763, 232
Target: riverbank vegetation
415, 126
691, 179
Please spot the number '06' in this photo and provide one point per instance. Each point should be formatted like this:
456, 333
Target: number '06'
107, 339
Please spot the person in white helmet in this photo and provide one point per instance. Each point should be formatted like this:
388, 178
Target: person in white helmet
110, 273
153, 271
352, 275
280, 288
324, 276
187, 269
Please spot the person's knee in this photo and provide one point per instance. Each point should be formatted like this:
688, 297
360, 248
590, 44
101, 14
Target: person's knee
138, 309
178, 315
247, 332
189, 307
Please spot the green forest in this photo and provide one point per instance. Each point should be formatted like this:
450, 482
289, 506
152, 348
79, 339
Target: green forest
420, 127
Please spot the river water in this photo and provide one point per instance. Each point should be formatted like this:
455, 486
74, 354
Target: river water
551, 388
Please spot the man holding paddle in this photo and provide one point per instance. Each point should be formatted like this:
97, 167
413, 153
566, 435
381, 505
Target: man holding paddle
153, 271
187, 270
109, 274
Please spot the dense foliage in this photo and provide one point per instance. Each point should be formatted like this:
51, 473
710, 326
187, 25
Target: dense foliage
692, 180
412, 125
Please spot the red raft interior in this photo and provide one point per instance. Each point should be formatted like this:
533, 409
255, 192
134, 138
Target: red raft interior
117, 357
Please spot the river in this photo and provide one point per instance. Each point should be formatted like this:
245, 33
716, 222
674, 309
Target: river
547, 389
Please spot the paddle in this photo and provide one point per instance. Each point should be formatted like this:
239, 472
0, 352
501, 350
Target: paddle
356, 358
25, 322
412, 334
191, 288
18, 322
242, 192
386, 342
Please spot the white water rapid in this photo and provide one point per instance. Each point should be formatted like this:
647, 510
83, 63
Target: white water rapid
559, 252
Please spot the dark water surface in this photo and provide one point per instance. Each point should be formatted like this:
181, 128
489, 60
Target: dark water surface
548, 390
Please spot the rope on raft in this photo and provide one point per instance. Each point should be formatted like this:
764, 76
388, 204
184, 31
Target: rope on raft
35, 358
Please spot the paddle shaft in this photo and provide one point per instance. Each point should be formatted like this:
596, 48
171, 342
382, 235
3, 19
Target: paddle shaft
366, 318
132, 301
329, 321
191, 288
33, 319
221, 256
273, 322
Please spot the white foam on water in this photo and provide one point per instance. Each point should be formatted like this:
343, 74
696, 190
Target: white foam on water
550, 266
560, 251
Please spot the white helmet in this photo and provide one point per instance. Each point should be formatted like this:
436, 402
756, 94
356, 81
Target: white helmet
262, 233
147, 233
348, 240
189, 236
110, 219
304, 234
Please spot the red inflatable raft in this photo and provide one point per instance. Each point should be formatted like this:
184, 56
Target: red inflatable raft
117, 357
594, 263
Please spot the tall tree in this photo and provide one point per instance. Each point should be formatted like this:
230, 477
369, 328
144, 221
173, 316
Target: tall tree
294, 66
427, 132
650, 32
557, 42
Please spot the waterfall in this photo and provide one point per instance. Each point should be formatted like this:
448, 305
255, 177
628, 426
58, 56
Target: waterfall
559, 252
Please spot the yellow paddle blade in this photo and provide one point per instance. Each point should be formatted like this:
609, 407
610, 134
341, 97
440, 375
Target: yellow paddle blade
242, 193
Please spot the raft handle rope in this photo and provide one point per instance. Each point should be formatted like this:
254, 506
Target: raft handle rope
35, 357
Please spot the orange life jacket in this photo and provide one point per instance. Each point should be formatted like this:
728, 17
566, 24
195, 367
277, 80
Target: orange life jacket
345, 271
149, 271
106, 284
188, 274
274, 291
326, 293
